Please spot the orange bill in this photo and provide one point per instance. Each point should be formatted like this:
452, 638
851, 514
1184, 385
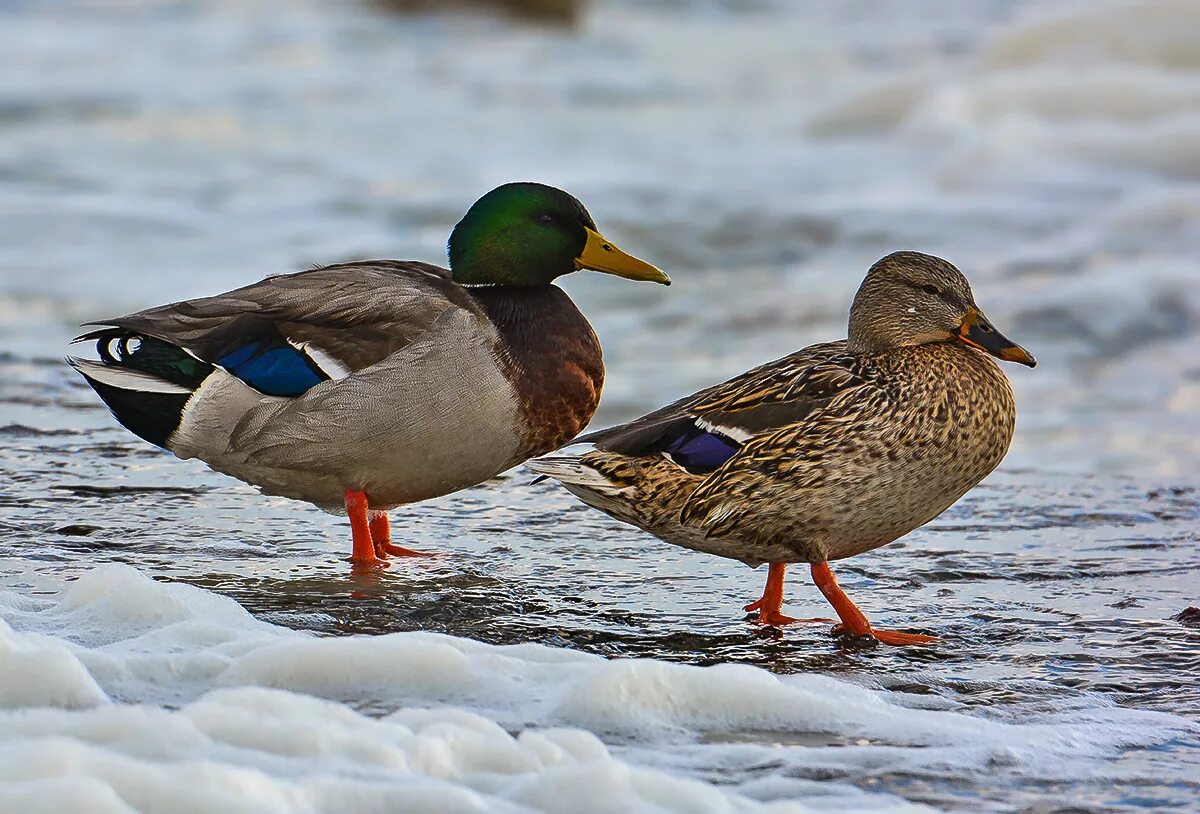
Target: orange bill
978, 332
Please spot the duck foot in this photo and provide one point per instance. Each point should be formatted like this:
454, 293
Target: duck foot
363, 555
371, 533
768, 607
385, 549
773, 619
854, 621
381, 538
896, 638
370, 567
776, 619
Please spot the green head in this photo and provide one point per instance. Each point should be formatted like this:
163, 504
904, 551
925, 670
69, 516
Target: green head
528, 234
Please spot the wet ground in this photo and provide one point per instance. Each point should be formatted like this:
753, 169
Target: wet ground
234, 141
1050, 592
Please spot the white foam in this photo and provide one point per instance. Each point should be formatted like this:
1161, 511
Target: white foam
62, 681
1158, 32
1076, 85
266, 721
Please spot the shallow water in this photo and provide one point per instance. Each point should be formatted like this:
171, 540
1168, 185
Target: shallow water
164, 150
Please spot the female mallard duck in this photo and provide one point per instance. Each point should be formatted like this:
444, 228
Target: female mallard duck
369, 385
832, 451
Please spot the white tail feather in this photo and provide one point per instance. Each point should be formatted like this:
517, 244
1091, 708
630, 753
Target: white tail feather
124, 378
570, 470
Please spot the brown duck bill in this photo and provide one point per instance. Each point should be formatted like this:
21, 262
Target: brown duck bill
977, 332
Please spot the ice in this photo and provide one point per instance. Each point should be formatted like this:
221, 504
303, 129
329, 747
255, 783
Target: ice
213, 710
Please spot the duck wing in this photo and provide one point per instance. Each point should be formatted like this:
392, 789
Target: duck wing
734, 434
702, 431
288, 333
408, 411
829, 400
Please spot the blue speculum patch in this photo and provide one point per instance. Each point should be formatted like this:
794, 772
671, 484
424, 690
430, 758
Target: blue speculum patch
272, 367
700, 451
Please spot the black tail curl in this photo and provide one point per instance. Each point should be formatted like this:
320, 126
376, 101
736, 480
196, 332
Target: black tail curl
148, 413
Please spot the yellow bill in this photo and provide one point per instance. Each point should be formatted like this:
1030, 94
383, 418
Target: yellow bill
600, 254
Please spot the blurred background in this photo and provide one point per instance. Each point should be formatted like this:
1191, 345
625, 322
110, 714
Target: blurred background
763, 152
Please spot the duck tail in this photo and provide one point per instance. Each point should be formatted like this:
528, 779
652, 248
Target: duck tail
145, 382
570, 469
584, 481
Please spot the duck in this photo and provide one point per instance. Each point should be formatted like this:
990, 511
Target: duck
363, 386
827, 453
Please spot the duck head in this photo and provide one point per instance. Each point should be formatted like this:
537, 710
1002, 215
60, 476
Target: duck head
527, 234
909, 298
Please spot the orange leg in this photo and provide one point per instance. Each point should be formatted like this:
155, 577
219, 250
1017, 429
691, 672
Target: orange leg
381, 534
772, 600
854, 621
360, 528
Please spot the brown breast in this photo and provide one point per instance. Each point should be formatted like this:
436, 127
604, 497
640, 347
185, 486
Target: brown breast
552, 357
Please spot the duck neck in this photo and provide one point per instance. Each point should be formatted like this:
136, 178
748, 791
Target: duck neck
869, 333
551, 356
863, 341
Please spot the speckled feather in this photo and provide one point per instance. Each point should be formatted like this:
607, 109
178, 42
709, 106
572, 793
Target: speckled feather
839, 451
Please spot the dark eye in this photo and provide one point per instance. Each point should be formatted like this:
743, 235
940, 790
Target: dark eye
931, 289
545, 219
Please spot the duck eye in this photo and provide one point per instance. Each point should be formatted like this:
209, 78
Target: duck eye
545, 219
931, 289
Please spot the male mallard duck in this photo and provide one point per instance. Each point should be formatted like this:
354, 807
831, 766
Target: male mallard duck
369, 385
832, 451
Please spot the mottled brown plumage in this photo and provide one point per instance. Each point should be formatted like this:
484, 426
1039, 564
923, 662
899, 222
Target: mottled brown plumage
829, 452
